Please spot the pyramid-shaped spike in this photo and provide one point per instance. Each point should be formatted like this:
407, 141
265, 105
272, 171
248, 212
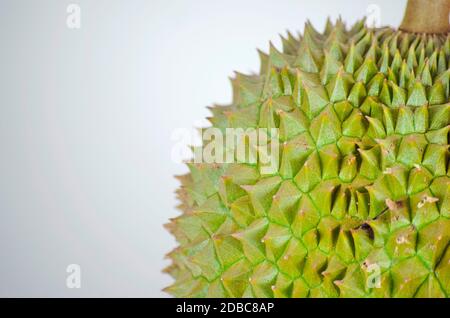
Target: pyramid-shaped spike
370, 162
367, 71
326, 127
330, 67
339, 86
306, 60
353, 60
309, 175
417, 95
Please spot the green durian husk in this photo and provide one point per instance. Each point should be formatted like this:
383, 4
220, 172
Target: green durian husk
360, 205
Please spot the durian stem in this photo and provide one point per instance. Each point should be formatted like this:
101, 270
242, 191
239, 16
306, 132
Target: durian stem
426, 16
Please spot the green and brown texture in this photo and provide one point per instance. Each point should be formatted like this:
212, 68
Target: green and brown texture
363, 179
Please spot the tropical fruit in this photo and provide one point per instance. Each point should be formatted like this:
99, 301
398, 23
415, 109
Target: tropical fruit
359, 204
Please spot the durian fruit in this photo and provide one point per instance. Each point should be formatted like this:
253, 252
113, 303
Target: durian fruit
360, 203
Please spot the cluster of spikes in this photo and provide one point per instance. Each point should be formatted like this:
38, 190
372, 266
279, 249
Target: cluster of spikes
360, 203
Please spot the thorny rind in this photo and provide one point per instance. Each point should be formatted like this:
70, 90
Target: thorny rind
370, 185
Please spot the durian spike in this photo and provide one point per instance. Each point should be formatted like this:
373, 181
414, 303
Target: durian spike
425, 16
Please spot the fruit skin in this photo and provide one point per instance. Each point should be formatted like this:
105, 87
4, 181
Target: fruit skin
363, 185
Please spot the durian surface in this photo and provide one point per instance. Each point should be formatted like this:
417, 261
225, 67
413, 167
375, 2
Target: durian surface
360, 205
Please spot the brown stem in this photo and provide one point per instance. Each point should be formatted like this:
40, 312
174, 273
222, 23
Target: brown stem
427, 16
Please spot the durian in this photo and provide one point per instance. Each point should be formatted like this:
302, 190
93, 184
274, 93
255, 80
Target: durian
359, 205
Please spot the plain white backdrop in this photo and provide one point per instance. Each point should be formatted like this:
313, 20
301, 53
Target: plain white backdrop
86, 119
